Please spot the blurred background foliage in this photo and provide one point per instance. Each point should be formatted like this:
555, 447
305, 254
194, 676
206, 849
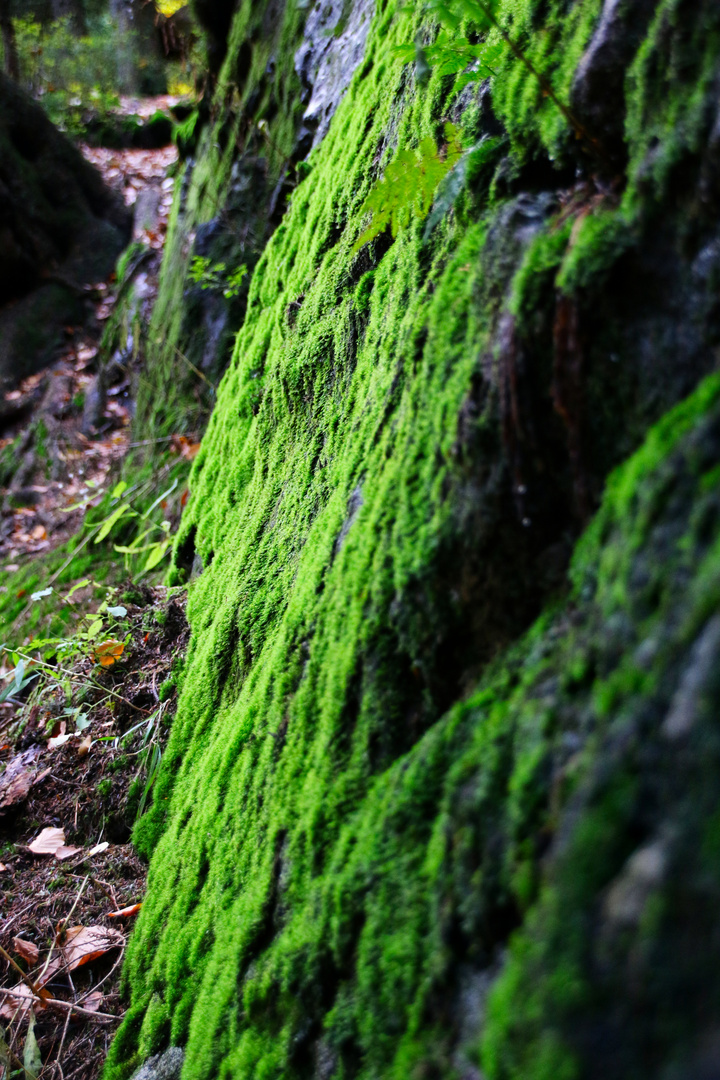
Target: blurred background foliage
78, 56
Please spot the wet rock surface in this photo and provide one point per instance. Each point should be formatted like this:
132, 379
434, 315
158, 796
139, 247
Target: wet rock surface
333, 47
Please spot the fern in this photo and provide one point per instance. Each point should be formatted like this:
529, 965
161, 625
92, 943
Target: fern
450, 14
450, 55
409, 185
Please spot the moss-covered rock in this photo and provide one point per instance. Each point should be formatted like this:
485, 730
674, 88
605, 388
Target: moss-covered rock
407, 824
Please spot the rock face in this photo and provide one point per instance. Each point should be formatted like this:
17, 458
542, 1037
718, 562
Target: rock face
441, 797
60, 229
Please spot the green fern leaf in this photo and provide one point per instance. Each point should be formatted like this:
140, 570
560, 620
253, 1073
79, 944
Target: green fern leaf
408, 187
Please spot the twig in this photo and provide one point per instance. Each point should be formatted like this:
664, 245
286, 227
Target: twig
67, 1006
197, 371
104, 979
62, 1044
33, 987
81, 679
578, 127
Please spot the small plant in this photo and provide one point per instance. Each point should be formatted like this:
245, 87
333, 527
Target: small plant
411, 181
449, 50
154, 548
408, 187
215, 276
104, 787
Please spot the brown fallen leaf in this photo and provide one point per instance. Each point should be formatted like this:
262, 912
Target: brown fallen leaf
123, 913
93, 1001
17, 1001
18, 778
66, 852
85, 943
26, 950
48, 842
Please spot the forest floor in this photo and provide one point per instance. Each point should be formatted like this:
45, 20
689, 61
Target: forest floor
81, 737
81, 751
83, 439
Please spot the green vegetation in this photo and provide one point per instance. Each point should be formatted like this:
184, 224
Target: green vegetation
335, 830
421, 810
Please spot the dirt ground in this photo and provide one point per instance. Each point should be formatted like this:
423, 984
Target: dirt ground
80, 754
82, 731
46, 478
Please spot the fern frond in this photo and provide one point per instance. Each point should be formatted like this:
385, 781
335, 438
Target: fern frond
409, 185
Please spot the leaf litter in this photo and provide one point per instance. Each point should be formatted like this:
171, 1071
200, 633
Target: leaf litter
71, 883
34, 516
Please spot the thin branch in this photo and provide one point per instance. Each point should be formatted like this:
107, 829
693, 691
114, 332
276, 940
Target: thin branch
578, 127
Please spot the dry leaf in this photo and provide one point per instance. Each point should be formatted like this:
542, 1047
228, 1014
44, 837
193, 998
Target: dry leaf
59, 740
66, 852
22, 999
124, 912
48, 842
86, 943
3, 867
26, 950
17, 779
93, 1001
108, 653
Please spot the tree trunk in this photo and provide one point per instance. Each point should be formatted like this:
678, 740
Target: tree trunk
75, 9
9, 44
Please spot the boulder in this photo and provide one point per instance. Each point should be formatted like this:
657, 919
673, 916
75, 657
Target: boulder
61, 229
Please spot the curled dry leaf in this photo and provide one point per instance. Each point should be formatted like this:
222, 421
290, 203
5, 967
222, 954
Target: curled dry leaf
48, 842
26, 950
18, 778
86, 943
123, 913
84, 747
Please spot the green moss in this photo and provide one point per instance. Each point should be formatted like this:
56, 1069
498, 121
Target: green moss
337, 833
669, 87
104, 788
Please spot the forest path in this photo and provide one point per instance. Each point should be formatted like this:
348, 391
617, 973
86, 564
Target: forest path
73, 418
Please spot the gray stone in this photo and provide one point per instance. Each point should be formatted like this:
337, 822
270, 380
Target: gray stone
704, 657
334, 46
167, 1066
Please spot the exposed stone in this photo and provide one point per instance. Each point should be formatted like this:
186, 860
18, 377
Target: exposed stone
165, 1066
334, 45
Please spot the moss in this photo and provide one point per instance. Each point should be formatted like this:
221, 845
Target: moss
670, 86
349, 817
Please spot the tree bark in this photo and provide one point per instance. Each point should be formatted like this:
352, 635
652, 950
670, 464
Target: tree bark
9, 44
